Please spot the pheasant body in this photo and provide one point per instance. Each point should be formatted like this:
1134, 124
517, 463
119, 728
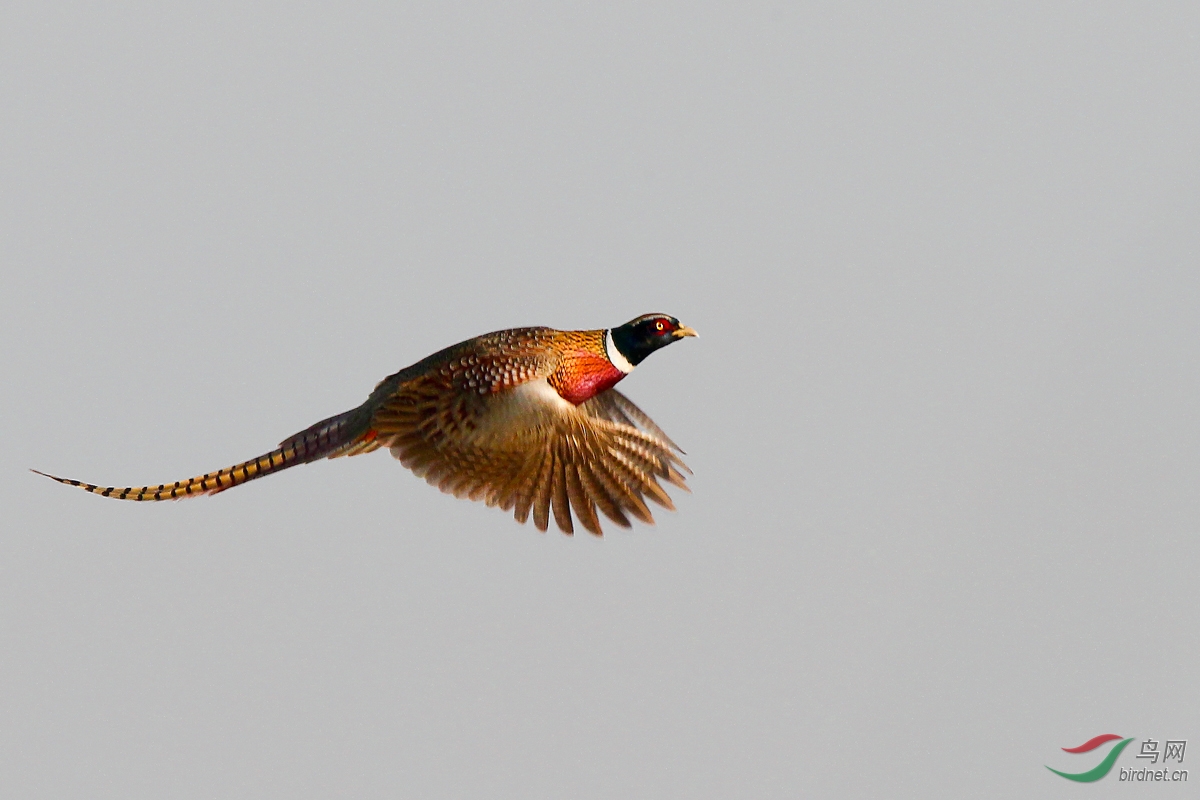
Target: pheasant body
524, 419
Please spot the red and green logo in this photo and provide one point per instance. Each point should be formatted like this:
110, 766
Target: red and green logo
1100, 770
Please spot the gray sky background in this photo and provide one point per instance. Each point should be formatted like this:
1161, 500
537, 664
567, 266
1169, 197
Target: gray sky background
942, 416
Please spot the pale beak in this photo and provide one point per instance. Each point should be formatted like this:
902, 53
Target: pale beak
684, 330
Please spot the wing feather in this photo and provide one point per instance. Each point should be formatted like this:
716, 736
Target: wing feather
624, 484
527, 487
525, 449
558, 496
541, 499
603, 495
583, 503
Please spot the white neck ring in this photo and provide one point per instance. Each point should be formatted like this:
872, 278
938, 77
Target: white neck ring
614, 355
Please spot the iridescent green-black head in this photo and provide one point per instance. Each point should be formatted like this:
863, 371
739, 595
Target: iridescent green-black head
629, 344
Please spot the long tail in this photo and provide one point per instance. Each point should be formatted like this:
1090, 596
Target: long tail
338, 435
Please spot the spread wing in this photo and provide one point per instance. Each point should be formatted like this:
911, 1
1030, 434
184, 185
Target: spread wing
526, 449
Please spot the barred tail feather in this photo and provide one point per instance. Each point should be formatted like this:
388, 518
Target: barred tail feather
210, 483
327, 439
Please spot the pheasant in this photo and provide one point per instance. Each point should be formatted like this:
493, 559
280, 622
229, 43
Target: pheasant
524, 419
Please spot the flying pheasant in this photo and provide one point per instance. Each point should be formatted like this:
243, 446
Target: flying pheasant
524, 419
